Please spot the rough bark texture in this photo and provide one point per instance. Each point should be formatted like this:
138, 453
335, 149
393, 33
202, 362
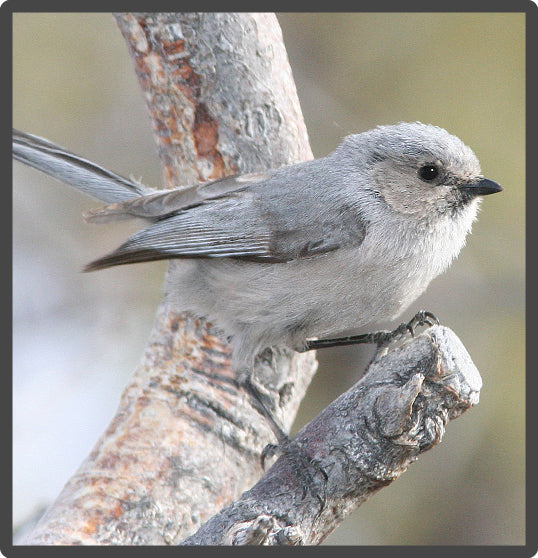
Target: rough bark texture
360, 443
185, 440
219, 91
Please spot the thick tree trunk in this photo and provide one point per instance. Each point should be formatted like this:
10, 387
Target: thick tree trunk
185, 440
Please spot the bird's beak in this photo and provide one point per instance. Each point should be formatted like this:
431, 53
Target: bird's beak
482, 187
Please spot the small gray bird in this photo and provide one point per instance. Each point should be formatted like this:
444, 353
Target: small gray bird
305, 251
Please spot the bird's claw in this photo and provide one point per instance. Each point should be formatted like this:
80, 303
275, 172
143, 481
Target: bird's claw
270, 450
423, 317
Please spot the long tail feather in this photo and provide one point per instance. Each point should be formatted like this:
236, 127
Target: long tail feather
74, 170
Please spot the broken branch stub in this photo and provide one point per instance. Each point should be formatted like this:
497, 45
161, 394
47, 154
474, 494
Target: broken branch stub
360, 443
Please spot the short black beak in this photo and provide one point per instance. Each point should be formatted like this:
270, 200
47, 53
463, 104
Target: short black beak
482, 187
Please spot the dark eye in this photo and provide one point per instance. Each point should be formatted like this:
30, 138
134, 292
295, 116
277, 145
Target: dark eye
428, 172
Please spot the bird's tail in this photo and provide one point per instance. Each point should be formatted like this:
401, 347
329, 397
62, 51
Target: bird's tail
74, 170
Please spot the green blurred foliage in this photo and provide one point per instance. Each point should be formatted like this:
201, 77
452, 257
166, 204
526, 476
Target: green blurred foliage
73, 83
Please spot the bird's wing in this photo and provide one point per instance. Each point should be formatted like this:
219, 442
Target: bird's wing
74, 170
182, 236
159, 204
234, 225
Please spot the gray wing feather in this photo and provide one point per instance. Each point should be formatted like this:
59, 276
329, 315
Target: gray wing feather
234, 228
191, 234
159, 204
74, 170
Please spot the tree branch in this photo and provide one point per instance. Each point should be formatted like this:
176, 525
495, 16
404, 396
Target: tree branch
360, 443
185, 440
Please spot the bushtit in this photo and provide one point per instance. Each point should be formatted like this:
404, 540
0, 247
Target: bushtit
305, 251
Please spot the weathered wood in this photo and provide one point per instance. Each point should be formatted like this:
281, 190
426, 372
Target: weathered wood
185, 440
360, 443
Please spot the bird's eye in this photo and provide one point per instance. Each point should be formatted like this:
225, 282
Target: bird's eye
428, 172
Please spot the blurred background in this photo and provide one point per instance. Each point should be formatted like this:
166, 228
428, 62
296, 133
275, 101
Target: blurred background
78, 337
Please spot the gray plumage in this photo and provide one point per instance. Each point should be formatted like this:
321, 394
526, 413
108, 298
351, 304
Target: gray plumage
308, 250
74, 170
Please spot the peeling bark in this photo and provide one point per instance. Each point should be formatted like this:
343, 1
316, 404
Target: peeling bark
185, 440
